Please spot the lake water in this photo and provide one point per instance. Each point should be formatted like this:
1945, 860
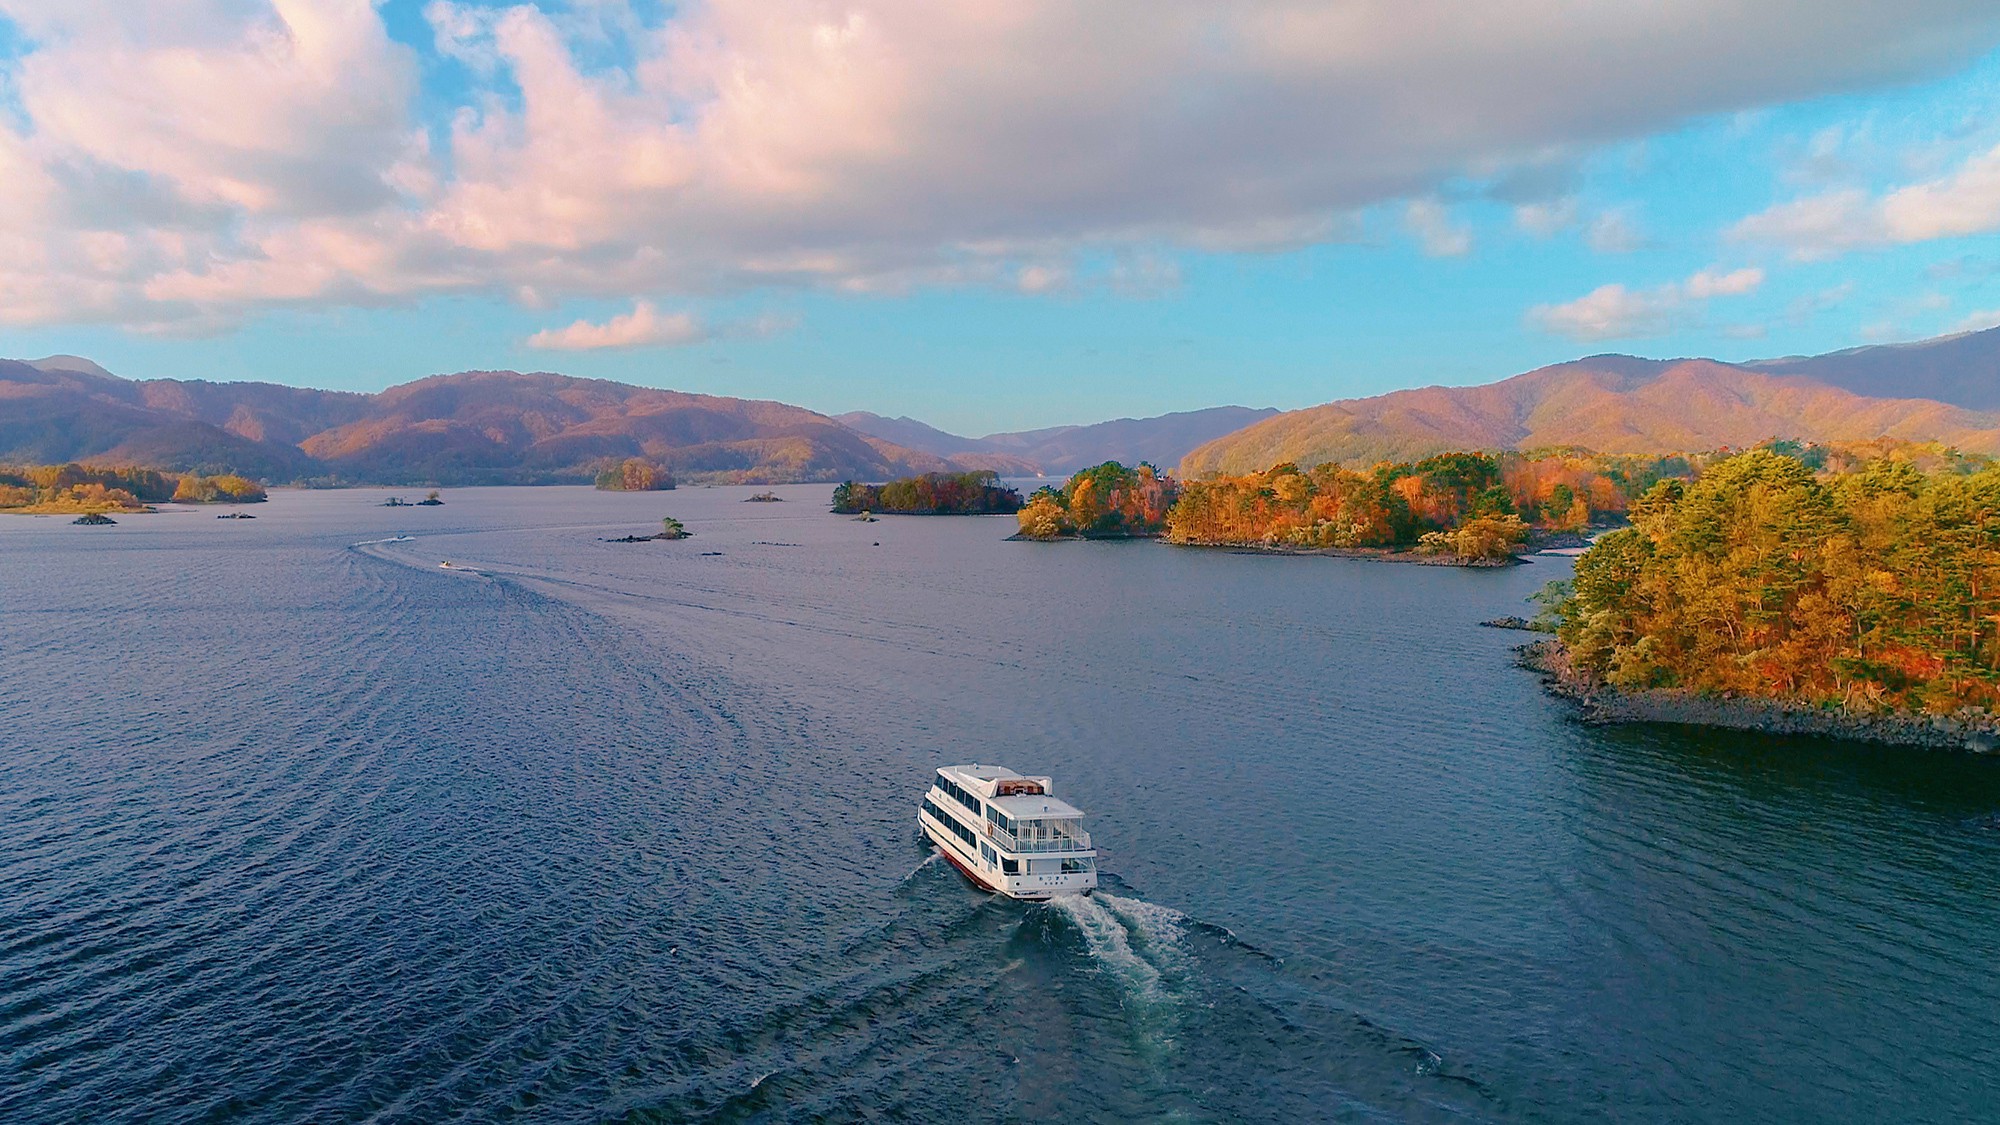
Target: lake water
295, 826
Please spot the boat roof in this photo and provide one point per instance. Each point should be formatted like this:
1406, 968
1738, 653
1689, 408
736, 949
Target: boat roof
1032, 807
986, 781
978, 772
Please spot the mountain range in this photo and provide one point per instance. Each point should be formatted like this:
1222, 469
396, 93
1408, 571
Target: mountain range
1062, 450
492, 427
1625, 404
495, 427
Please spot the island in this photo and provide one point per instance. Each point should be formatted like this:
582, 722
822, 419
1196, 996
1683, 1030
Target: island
1108, 501
670, 528
225, 488
764, 498
930, 494
1857, 601
1454, 509
635, 474
72, 489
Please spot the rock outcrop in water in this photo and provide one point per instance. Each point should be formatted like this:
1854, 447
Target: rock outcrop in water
670, 528
1969, 729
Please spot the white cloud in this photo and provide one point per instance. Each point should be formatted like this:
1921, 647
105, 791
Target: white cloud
1735, 283
647, 327
1963, 202
643, 327
1546, 218
193, 161
1979, 321
1608, 312
1613, 312
1435, 230
1614, 232
1042, 278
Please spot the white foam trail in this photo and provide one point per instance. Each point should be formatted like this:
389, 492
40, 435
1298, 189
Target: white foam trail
1160, 928
919, 868
1110, 943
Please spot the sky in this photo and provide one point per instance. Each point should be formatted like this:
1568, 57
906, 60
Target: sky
991, 214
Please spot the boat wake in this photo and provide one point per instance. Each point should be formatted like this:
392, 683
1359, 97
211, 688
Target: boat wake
1137, 943
1138, 948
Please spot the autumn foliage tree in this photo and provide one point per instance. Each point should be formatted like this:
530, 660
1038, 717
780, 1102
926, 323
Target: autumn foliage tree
1874, 588
1107, 500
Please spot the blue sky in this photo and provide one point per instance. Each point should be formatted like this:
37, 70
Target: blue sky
1848, 207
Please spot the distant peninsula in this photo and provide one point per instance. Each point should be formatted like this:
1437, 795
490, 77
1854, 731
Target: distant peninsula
977, 493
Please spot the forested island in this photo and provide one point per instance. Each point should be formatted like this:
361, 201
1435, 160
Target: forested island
1104, 502
227, 488
1849, 592
1461, 508
635, 474
95, 489
931, 494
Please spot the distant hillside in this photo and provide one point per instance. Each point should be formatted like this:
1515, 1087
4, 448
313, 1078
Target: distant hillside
964, 452
469, 428
1611, 403
1963, 370
1062, 450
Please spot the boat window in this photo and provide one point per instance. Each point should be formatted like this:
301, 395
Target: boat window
1000, 818
1073, 866
1010, 866
959, 793
950, 822
986, 853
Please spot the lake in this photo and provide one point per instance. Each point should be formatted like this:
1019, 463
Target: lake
296, 826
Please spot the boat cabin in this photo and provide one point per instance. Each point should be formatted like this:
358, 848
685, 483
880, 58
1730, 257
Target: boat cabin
1011, 826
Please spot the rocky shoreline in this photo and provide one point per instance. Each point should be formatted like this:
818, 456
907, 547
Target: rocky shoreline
1372, 554
1973, 731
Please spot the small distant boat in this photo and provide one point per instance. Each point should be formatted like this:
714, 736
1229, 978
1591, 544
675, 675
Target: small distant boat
1008, 833
449, 565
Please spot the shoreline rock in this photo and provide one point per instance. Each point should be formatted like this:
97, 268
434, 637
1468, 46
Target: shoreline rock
1600, 704
1371, 554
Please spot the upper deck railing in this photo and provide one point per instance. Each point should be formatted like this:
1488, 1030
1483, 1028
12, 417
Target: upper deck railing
1043, 841
1079, 841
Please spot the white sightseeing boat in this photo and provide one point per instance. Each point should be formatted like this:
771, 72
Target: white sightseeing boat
1008, 833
